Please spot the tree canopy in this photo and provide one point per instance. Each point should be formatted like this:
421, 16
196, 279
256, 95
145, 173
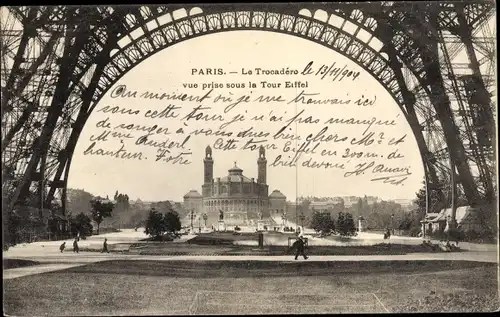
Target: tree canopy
322, 222
345, 225
157, 223
101, 209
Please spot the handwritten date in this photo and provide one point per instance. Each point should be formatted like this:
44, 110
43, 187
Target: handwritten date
336, 73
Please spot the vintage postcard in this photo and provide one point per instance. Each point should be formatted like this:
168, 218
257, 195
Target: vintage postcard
233, 159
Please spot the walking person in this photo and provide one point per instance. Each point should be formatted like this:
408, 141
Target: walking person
75, 246
299, 246
105, 246
62, 246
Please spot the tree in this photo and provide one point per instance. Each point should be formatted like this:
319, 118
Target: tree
322, 222
437, 199
79, 201
11, 224
155, 225
349, 226
359, 206
82, 224
101, 209
316, 221
172, 222
304, 212
340, 223
410, 222
345, 225
337, 208
162, 206
122, 202
302, 218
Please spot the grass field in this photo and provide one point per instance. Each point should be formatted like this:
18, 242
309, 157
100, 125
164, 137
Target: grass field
218, 287
228, 249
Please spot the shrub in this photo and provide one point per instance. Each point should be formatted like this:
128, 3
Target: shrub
469, 236
484, 236
82, 224
157, 224
101, 209
322, 222
455, 235
11, 222
172, 222
414, 231
345, 225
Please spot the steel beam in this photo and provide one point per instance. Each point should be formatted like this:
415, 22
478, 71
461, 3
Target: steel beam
61, 94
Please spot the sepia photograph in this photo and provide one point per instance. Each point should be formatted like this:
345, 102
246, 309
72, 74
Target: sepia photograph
249, 158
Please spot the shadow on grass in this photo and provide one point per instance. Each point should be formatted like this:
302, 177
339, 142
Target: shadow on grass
242, 269
221, 238
17, 263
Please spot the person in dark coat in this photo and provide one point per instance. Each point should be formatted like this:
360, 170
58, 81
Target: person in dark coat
63, 246
75, 246
299, 246
387, 234
105, 246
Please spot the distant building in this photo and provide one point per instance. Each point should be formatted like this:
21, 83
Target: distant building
241, 199
193, 202
350, 201
326, 206
277, 202
406, 204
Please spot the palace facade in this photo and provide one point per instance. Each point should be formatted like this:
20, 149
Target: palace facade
242, 200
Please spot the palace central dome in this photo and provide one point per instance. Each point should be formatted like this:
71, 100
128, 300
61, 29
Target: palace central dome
235, 175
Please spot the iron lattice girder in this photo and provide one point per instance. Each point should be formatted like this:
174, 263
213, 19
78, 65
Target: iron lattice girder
442, 103
61, 93
143, 16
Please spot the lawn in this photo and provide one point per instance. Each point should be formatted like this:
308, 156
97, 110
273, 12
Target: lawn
219, 287
229, 249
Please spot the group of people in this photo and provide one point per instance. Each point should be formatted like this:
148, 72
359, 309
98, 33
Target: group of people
76, 249
443, 245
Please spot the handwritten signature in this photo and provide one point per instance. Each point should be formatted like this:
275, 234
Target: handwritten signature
397, 175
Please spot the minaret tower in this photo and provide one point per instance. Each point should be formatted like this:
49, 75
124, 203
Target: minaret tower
262, 165
209, 166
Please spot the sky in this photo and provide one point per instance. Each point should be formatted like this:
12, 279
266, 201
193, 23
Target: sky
169, 69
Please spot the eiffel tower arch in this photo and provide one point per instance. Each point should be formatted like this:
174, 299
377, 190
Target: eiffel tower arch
58, 62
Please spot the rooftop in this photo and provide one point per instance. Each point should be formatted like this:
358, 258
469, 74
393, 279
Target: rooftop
193, 194
277, 194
